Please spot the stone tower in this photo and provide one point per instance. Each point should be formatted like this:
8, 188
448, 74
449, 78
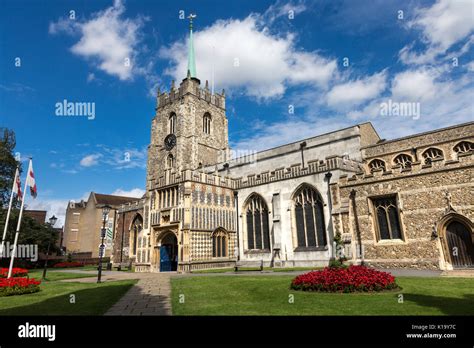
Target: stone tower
189, 129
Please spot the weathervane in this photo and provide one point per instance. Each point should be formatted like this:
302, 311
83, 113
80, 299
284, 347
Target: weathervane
191, 17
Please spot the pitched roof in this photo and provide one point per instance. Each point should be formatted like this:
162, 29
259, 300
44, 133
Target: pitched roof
112, 200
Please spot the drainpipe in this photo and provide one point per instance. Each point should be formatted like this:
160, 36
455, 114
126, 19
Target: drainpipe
356, 220
121, 242
236, 202
328, 176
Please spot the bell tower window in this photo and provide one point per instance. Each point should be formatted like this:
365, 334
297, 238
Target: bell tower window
206, 123
169, 161
172, 123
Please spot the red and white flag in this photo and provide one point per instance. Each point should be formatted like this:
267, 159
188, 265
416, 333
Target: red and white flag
17, 186
30, 180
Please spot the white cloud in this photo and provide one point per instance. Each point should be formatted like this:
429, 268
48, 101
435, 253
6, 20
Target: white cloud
283, 9
90, 160
353, 93
442, 25
107, 39
414, 85
56, 207
247, 56
135, 192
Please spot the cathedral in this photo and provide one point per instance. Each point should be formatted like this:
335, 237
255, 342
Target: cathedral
401, 203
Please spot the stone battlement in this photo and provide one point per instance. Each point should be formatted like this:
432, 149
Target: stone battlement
396, 171
190, 85
294, 171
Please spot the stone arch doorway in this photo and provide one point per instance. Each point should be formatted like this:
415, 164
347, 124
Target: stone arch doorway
457, 236
168, 252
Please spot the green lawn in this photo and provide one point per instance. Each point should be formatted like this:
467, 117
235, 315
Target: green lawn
256, 269
54, 298
269, 295
52, 275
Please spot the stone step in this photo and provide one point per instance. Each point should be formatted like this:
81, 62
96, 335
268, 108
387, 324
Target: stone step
468, 273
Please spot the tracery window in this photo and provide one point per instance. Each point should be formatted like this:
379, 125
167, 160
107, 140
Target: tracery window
432, 153
377, 164
258, 234
219, 243
464, 147
136, 235
404, 160
309, 218
387, 218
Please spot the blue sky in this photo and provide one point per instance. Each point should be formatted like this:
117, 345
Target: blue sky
270, 56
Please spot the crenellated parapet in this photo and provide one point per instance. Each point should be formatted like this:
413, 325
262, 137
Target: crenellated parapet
283, 173
190, 85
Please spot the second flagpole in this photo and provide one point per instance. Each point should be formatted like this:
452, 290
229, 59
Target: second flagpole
17, 173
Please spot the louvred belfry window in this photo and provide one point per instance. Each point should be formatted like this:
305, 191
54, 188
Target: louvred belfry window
309, 218
258, 234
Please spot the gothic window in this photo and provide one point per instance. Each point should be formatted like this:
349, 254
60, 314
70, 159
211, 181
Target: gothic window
377, 164
136, 235
432, 153
309, 218
387, 218
172, 123
403, 160
169, 161
258, 234
153, 200
206, 123
219, 243
464, 147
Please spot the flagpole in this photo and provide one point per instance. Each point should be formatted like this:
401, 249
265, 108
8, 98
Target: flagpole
19, 222
8, 214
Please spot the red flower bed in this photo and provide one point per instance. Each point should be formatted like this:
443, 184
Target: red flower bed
351, 279
18, 286
16, 272
68, 264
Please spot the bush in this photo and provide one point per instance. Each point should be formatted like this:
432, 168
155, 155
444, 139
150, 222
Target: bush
68, 264
350, 279
18, 286
16, 272
337, 264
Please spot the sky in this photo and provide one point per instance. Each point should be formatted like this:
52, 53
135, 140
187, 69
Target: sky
290, 70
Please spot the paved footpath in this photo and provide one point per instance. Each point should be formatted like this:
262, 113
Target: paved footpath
151, 295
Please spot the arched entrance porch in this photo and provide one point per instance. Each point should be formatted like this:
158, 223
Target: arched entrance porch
166, 252
457, 238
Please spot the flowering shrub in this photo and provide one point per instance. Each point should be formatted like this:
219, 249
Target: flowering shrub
16, 272
18, 286
351, 279
68, 264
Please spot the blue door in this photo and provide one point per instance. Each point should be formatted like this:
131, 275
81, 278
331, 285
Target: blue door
165, 258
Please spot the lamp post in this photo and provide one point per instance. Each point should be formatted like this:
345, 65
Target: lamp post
52, 221
105, 213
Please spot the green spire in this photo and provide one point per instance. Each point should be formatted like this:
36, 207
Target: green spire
191, 59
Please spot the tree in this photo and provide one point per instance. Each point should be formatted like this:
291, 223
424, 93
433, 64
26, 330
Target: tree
8, 165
